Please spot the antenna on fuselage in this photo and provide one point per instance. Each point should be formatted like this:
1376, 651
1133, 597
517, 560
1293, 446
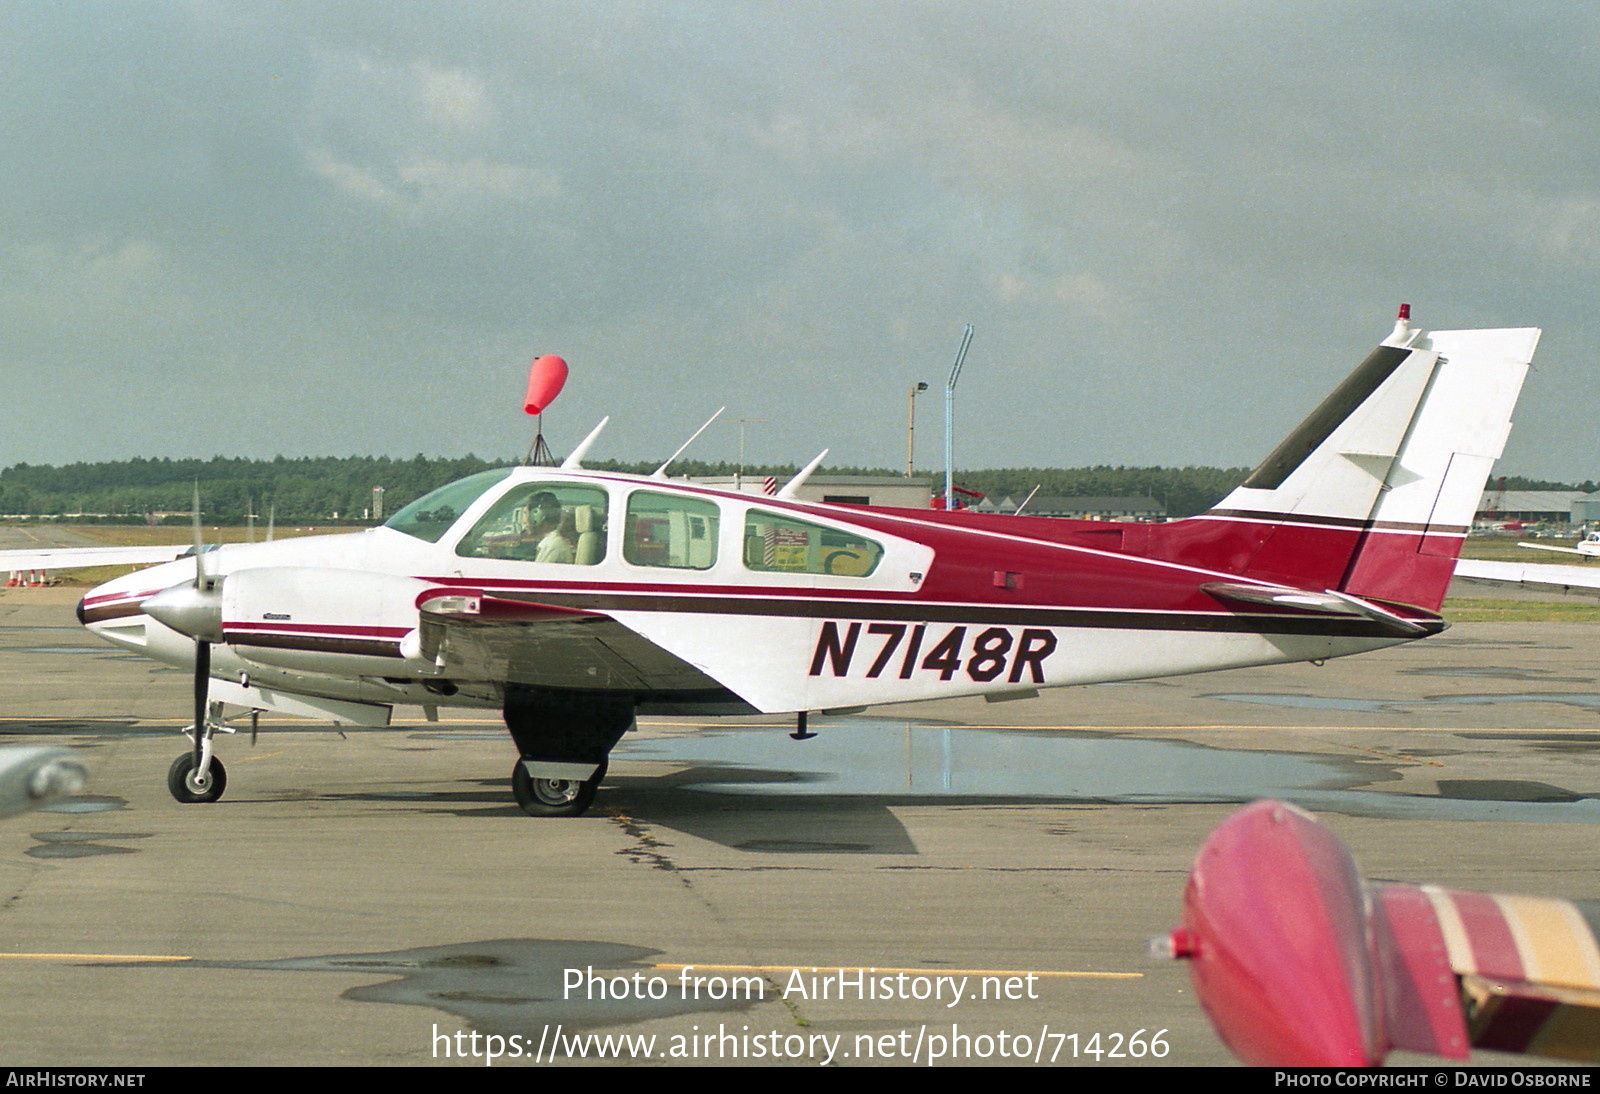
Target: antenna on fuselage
661, 472
574, 462
792, 487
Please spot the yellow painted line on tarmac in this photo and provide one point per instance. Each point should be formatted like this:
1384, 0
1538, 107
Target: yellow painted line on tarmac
94, 957
497, 723
1059, 974
1056, 974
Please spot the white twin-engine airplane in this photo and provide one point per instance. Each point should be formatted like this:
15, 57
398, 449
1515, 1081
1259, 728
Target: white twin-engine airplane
573, 600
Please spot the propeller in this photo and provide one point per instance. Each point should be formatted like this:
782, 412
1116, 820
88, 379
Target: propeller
195, 610
206, 591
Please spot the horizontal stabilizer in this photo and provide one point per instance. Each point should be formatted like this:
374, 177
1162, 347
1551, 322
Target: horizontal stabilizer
1329, 602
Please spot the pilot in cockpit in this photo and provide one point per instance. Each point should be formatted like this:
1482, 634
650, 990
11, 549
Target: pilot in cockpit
550, 528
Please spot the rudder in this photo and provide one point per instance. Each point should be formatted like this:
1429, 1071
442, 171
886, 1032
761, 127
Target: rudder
1373, 494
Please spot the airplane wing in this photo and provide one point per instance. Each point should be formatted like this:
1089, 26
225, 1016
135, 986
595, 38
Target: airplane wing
62, 558
1528, 969
1534, 575
1297, 962
521, 642
1553, 547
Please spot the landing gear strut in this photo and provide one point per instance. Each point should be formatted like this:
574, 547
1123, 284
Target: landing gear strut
198, 775
564, 739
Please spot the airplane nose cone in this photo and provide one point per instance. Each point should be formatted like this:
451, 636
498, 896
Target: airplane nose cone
188, 610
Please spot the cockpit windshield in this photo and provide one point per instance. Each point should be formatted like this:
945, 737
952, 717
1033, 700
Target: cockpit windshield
430, 516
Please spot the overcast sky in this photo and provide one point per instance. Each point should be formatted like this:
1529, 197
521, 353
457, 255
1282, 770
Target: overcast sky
345, 228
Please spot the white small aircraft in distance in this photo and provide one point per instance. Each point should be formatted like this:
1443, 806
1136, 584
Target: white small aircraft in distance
1588, 547
573, 600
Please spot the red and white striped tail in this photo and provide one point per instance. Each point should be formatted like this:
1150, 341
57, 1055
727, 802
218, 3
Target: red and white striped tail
1373, 494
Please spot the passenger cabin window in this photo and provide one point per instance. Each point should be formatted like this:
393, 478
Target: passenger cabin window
542, 522
430, 516
671, 530
774, 543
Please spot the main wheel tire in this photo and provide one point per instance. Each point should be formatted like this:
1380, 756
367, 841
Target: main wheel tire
554, 797
187, 789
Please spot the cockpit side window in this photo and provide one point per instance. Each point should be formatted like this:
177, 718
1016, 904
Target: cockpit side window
542, 522
430, 516
775, 543
671, 530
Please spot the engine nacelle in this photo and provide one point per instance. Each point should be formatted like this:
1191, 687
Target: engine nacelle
313, 618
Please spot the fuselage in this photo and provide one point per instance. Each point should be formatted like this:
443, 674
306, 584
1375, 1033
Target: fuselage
770, 604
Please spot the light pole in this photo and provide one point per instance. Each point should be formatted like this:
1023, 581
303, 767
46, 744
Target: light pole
911, 421
950, 421
738, 478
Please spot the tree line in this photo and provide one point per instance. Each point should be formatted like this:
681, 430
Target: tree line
323, 489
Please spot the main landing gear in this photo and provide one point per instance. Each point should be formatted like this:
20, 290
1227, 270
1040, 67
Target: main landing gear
554, 797
564, 739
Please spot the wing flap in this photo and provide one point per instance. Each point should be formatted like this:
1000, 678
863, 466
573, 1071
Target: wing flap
471, 634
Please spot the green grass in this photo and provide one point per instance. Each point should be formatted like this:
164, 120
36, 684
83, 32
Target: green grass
1503, 548
1488, 610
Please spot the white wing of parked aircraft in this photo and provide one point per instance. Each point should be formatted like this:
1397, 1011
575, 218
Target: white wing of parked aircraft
65, 558
1583, 580
1588, 547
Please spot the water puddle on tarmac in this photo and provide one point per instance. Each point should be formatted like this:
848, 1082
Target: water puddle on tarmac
516, 986
1583, 700
885, 757
899, 761
82, 844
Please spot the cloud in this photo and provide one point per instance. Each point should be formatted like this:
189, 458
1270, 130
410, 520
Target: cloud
795, 207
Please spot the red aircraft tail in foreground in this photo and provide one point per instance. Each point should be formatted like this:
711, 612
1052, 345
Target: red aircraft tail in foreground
1299, 963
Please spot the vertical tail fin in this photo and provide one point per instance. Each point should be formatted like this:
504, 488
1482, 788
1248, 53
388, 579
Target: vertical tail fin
1374, 493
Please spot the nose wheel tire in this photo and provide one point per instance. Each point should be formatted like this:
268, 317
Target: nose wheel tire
187, 788
554, 797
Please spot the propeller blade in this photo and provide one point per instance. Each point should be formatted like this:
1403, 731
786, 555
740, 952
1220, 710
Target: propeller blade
199, 544
202, 647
